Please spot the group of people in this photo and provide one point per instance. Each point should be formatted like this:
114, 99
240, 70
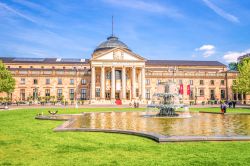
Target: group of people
136, 104
230, 104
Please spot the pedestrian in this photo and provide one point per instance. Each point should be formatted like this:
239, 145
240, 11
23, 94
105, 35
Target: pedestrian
223, 108
234, 103
230, 103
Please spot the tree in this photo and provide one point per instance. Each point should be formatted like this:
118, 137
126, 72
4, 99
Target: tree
242, 83
7, 82
233, 66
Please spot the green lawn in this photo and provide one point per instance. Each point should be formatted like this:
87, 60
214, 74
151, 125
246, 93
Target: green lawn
27, 141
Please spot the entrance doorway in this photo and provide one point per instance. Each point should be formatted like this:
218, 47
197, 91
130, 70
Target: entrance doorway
128, 95
117, 95
107, 95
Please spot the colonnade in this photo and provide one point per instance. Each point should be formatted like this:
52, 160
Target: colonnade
124, 71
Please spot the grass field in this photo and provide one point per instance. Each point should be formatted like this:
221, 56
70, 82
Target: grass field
27, 141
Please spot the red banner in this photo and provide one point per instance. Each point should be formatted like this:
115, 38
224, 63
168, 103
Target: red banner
188, 89
181, 89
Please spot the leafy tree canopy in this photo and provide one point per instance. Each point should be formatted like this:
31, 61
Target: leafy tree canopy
7, 82
233, 66
242, 83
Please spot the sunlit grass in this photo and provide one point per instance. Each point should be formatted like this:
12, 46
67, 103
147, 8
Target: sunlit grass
27, 141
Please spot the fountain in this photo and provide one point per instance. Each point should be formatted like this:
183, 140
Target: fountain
166, 125
167, 99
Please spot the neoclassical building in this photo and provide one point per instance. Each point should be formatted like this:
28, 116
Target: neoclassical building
114, 72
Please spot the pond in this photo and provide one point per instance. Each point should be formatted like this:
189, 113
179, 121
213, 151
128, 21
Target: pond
201, 126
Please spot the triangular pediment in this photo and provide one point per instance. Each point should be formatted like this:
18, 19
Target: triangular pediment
118, 54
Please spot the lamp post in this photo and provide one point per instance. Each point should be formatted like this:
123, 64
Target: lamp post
173, 69
196, 95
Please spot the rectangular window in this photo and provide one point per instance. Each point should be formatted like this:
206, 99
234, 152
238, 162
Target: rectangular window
108, 75
201, 92
22, 81
35, 94
201, 82
211, 82
71, 81
35, 81
190, 82
47, 92
118, 75
147, 81
22, 94
59, 81
147, 94
158, 82
222, 82
59, 94
71, 94
222, 94
83, 94
83, 82
47, 81
97, 92
212, 94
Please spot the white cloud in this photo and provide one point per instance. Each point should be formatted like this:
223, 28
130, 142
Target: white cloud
17, 13
207, 50
232, 56
221, 12
146, 6
12, 12
32, 5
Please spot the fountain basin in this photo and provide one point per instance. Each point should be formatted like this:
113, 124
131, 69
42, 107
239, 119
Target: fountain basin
201, 127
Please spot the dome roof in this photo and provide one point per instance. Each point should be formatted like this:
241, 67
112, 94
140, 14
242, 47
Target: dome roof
111, 42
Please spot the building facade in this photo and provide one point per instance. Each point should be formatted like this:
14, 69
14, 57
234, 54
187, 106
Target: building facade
114, 72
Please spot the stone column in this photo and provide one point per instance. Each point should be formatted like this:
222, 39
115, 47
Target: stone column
143, 83
102, 82
124, 82
93, 83
112, 83
139, 82
133, 83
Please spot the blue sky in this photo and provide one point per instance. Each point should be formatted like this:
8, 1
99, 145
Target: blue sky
157, 29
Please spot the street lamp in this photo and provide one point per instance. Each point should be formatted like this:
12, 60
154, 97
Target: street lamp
196, 95
173, 69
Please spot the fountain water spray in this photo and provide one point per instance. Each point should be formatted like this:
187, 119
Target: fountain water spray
167, 99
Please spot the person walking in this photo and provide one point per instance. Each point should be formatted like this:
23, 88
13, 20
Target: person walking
230, 103
234, 103
223, 108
